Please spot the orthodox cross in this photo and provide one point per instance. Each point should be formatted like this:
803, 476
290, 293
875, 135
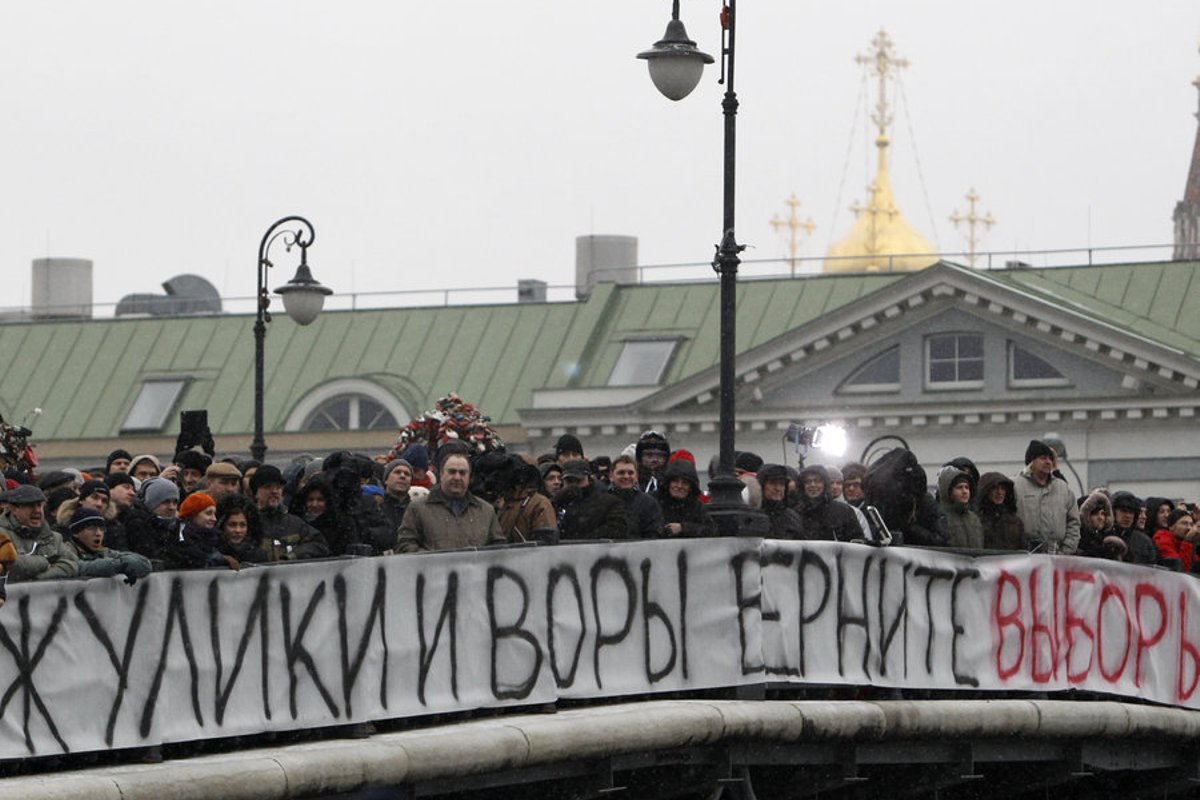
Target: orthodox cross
973, 222
884, 64
793, 224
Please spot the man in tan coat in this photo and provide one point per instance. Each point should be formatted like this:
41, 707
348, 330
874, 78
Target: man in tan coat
450, 517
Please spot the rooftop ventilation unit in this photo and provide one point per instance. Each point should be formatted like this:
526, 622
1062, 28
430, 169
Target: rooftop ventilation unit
186, 294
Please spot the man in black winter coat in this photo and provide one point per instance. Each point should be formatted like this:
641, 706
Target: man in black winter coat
1141, 548
679, 496
285, 537
651, 452
785, 522
642, 511
820, 516
584, 512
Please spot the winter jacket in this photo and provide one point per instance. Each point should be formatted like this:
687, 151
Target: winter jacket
1170, 546
193, 547
785, 522
642, 513
590, 513
106, 562
433, 524
821, 518
393, 513
42, 554
519, 519
689, 512
286, 537
148, 533
1049, 514
248, 552
962, 524
1142, 549
1002, 526
371, 526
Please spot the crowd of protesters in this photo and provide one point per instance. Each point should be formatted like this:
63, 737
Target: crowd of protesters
137, 515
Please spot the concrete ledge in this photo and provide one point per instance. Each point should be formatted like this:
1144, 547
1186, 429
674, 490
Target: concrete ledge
513, 742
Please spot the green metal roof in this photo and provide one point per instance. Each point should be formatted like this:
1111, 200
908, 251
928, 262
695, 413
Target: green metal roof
86, 374
1148, 299
691, 312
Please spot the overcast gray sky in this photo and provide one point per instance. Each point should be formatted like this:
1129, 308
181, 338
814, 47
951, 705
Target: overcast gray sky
467, 144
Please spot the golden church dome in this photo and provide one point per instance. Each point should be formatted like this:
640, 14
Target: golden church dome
881, 239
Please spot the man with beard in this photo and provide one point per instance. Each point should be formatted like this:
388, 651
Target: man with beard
584, 512
285, 537
821, 517
651, 453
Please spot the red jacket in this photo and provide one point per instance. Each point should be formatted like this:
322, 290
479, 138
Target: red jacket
1170, 546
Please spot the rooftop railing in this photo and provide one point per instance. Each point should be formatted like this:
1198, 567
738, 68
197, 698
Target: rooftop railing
692, 271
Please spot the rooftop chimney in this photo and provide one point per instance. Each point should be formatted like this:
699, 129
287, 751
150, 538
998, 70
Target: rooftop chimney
62, 288
604, 259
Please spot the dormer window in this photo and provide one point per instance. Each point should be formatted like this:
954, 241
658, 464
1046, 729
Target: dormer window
642, 362
153, 405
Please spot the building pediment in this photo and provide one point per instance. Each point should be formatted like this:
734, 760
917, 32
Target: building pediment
1095, 366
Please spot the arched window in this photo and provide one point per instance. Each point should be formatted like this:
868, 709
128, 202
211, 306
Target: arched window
349, 412
1028, 369
878, 374
349, 404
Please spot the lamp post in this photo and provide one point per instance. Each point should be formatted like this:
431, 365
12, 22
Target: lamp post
303, 298
675, 67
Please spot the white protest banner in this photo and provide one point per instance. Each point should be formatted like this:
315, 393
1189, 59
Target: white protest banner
905, 617
88, 665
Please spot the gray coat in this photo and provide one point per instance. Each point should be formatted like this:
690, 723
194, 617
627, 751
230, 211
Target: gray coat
42, 555
431, 524
1049, 514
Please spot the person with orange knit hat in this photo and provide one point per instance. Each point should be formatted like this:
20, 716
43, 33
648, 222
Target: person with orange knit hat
196, 543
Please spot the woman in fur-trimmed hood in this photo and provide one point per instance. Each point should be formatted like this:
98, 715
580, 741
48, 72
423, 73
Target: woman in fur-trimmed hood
1097, 537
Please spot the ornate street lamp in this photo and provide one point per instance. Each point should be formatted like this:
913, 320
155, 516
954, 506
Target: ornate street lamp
303, 298
675, 63
675, 67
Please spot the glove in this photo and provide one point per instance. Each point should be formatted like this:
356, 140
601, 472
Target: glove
133, 566
105, 567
